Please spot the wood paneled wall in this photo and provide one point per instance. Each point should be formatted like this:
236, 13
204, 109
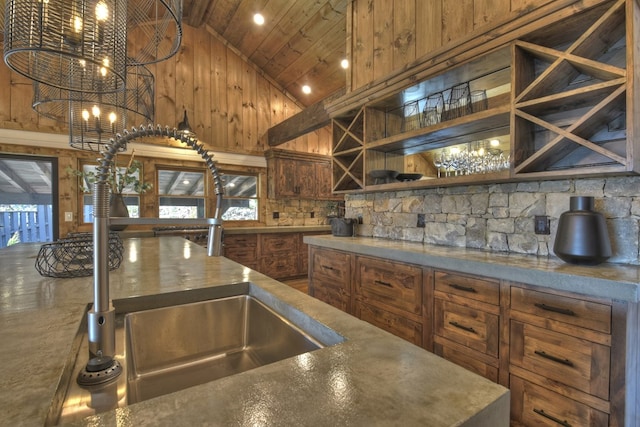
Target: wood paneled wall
388, 35
230, 103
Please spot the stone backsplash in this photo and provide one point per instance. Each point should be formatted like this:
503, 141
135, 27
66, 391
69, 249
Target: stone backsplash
294, 212
500, 217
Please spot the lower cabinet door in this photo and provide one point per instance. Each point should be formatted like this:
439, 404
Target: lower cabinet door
280, 267
397, 325
466, 358
532, 405
327, 292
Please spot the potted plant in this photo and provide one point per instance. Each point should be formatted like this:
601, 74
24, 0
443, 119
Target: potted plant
119, 179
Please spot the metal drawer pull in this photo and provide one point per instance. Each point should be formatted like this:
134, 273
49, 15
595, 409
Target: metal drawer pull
380, 282
328, 267
555, 309
463, 288
551, 417
553, 358
464, 328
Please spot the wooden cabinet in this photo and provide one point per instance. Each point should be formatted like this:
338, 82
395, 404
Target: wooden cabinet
278, 255
563, 355
242, 248
555, 104
466, 319
330, 277
298, 175
560, 358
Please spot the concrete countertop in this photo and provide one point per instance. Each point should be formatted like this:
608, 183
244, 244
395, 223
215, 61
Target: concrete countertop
373, 378
614, 281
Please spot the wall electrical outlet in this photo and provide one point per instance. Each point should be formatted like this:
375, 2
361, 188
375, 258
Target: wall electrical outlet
542, 224
276, 215
421, 221
68, 216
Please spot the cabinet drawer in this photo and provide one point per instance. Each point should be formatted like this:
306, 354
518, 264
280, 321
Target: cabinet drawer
240, 240
467, 360
327, 292
270, 243
468, 326
281, 266
332, 265
575, 362
574, 311
242, 255
479, 289
397, 325
390, 283
532, 405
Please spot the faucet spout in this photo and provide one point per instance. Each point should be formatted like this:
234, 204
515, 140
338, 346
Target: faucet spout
101, 317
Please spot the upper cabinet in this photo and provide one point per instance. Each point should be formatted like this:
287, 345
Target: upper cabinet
298, 175
555, 102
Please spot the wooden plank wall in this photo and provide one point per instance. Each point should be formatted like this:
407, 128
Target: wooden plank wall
387, 35
229, 102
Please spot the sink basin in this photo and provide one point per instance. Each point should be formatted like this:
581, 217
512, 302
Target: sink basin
169, 342
173, 348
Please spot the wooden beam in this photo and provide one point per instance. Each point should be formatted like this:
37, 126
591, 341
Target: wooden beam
311, 118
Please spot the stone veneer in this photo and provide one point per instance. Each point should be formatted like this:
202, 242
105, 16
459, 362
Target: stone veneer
500, 217
294, 212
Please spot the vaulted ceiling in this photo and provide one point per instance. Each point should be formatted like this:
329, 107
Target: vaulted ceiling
301, 42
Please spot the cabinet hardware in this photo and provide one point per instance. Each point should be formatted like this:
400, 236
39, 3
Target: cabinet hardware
555, 309
327, 267
551, 417
553, 358
380, 282
464, 328
463, 288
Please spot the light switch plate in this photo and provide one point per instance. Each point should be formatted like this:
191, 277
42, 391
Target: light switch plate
68, 216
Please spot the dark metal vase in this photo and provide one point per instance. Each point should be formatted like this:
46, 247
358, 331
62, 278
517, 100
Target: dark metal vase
118, 208
582, 236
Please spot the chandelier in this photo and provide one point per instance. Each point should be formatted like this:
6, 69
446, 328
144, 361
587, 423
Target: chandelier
95, 118
86, 59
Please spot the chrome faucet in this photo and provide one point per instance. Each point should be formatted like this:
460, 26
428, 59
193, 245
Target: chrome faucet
101, 317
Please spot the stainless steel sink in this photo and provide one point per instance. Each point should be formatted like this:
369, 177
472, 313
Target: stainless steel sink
173, 348
170, 342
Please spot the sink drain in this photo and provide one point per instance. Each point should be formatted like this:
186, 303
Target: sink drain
99, 370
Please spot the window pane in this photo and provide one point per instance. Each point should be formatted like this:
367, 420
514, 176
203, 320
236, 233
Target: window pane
181, 207
180, 183
239, 209
240, 185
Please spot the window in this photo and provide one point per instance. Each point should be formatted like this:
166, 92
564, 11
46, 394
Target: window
240, 201
28, 199
181, 193
131, 198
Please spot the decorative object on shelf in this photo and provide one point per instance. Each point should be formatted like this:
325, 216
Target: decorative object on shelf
458, 102
410, 116
433, 107
383, 176
582, 236
73, 256
472, 158
404, 177
479, 100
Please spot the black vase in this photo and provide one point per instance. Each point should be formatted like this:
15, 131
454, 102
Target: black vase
118, 208
582, 236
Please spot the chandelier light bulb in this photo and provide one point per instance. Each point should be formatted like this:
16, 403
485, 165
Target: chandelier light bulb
77, 24
95, 111
85, 115
112, 117
102, 11
306, 89
344, 63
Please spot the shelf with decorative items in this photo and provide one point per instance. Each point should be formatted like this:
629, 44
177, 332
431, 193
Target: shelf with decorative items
554, 102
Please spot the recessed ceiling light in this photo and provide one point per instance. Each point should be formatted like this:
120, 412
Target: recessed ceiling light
258, 19
306, 89
185, 182
494, 142
344, 63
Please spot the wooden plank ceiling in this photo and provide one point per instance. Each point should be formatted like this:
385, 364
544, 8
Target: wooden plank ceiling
301, 42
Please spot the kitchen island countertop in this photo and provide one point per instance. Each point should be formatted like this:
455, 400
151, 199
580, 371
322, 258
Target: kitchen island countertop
372, 378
